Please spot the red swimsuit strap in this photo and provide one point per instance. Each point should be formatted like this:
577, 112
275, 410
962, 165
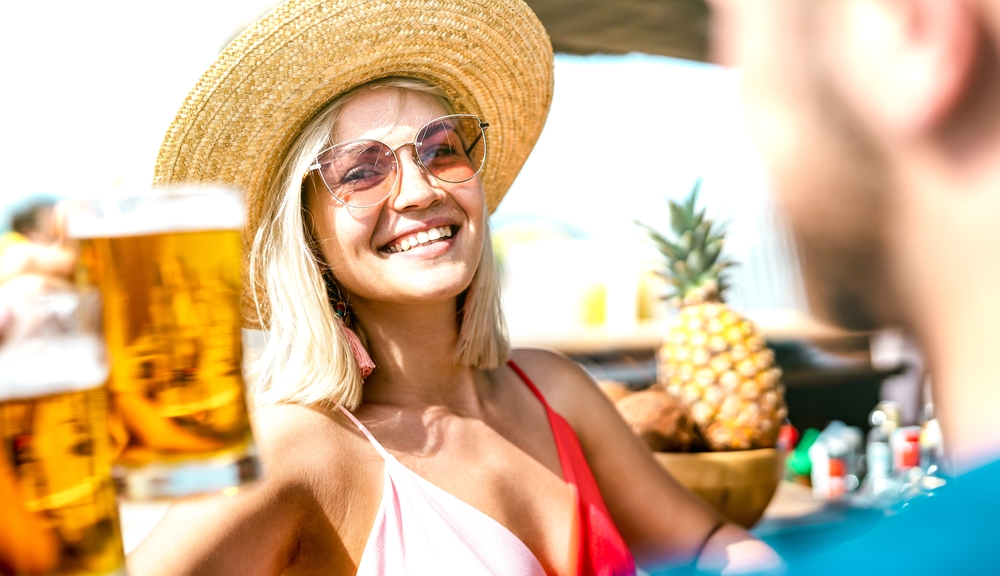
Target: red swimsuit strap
602, 550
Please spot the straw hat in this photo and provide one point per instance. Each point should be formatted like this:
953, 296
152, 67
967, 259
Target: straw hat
490, 57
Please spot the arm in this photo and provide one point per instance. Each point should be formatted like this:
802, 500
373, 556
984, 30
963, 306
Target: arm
662, 522
254, 532
55, 261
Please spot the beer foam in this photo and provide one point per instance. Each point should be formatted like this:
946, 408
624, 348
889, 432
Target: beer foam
52, 365
159, 211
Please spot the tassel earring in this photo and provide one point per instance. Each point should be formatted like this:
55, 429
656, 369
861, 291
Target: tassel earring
361, 356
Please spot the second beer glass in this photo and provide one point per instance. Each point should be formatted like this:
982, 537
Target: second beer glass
167, 264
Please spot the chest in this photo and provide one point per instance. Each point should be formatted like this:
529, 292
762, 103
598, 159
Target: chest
509, 480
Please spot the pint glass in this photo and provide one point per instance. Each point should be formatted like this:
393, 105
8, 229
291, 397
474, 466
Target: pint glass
167, 265
58, 513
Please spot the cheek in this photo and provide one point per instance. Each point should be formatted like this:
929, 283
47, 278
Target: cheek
342, 238
472, 201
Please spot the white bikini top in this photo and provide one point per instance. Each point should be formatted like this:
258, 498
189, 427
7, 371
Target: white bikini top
422, 529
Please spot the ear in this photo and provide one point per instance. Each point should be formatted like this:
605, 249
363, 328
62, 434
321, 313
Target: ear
905, 64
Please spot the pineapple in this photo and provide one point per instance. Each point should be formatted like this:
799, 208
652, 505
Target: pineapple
714, 359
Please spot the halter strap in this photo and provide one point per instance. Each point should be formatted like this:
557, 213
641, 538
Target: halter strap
378, 447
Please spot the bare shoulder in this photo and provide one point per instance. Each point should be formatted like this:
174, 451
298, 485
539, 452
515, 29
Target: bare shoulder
566, 386
288, 518
304, 444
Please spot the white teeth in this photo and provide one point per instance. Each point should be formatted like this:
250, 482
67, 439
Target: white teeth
422, 237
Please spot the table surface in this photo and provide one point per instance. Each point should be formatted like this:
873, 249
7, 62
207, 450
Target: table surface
775, 326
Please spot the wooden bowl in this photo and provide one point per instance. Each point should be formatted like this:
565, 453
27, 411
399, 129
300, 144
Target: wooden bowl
738, 484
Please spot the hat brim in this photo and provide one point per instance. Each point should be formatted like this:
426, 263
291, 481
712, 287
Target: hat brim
491, 57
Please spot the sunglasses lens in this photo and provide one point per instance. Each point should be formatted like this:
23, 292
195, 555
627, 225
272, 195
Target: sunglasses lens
452, 148
360, 172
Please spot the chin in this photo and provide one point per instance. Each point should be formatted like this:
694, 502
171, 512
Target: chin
847, 288
844, 309
435, 287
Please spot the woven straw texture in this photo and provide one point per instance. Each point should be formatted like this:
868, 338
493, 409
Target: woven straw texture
491, 57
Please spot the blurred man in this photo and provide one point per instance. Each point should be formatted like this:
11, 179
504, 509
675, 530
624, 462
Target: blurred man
879, 121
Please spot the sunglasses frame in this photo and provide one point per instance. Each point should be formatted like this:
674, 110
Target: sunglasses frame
416, 156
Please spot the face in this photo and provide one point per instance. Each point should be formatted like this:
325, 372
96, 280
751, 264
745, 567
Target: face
442, 225
45, 227
827, 175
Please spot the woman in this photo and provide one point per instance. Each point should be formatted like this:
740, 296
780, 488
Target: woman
360, 131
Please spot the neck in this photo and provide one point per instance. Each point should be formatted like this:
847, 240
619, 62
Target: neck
946, 261
414, 347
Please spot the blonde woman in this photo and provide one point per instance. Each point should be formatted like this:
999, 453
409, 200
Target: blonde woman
399, 433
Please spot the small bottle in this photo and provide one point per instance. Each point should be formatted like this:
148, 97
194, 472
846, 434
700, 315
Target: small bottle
931, 451
905, 444
838, 454
832, 463
819, 457
878, 456
880, 489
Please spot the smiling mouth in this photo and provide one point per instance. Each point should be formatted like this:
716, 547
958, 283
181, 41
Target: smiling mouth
421, 239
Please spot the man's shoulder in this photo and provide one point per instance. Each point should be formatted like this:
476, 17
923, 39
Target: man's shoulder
949, 531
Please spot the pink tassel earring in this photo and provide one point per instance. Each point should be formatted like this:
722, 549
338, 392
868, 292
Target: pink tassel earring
361, 356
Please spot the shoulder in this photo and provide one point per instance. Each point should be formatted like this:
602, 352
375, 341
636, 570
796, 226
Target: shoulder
321, 458
566, 386
310, 448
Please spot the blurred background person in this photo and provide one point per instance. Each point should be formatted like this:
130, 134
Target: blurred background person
32, 246
878, 122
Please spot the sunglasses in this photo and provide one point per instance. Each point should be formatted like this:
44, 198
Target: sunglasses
362, 173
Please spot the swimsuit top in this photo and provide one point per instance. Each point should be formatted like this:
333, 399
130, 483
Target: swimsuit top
422, 529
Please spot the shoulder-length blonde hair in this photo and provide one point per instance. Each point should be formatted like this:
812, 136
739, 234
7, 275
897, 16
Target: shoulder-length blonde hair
307, 359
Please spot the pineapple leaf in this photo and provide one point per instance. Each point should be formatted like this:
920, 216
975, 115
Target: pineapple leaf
677, 220
685, 243
700, 236
692, 199
696, 261
717, 269
712, 251
698, 219
681, 272
669, 277
666, 247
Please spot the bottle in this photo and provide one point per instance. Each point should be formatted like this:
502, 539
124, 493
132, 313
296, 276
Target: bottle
905, 443
931, 451
880, 488
834, 458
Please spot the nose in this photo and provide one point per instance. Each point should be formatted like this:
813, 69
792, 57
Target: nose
417, 189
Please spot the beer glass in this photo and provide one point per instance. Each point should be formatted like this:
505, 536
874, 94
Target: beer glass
58, 513
167, 264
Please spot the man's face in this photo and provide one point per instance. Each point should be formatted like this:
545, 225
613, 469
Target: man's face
826, 173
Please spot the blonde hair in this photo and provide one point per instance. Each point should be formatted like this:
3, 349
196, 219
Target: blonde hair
307, 359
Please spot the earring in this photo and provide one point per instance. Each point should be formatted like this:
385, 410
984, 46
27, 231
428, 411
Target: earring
361, 356
340, 308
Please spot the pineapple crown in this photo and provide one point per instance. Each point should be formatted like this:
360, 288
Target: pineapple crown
694, 267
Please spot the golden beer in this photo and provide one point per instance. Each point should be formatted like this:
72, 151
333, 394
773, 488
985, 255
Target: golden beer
168, 269
58, 514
